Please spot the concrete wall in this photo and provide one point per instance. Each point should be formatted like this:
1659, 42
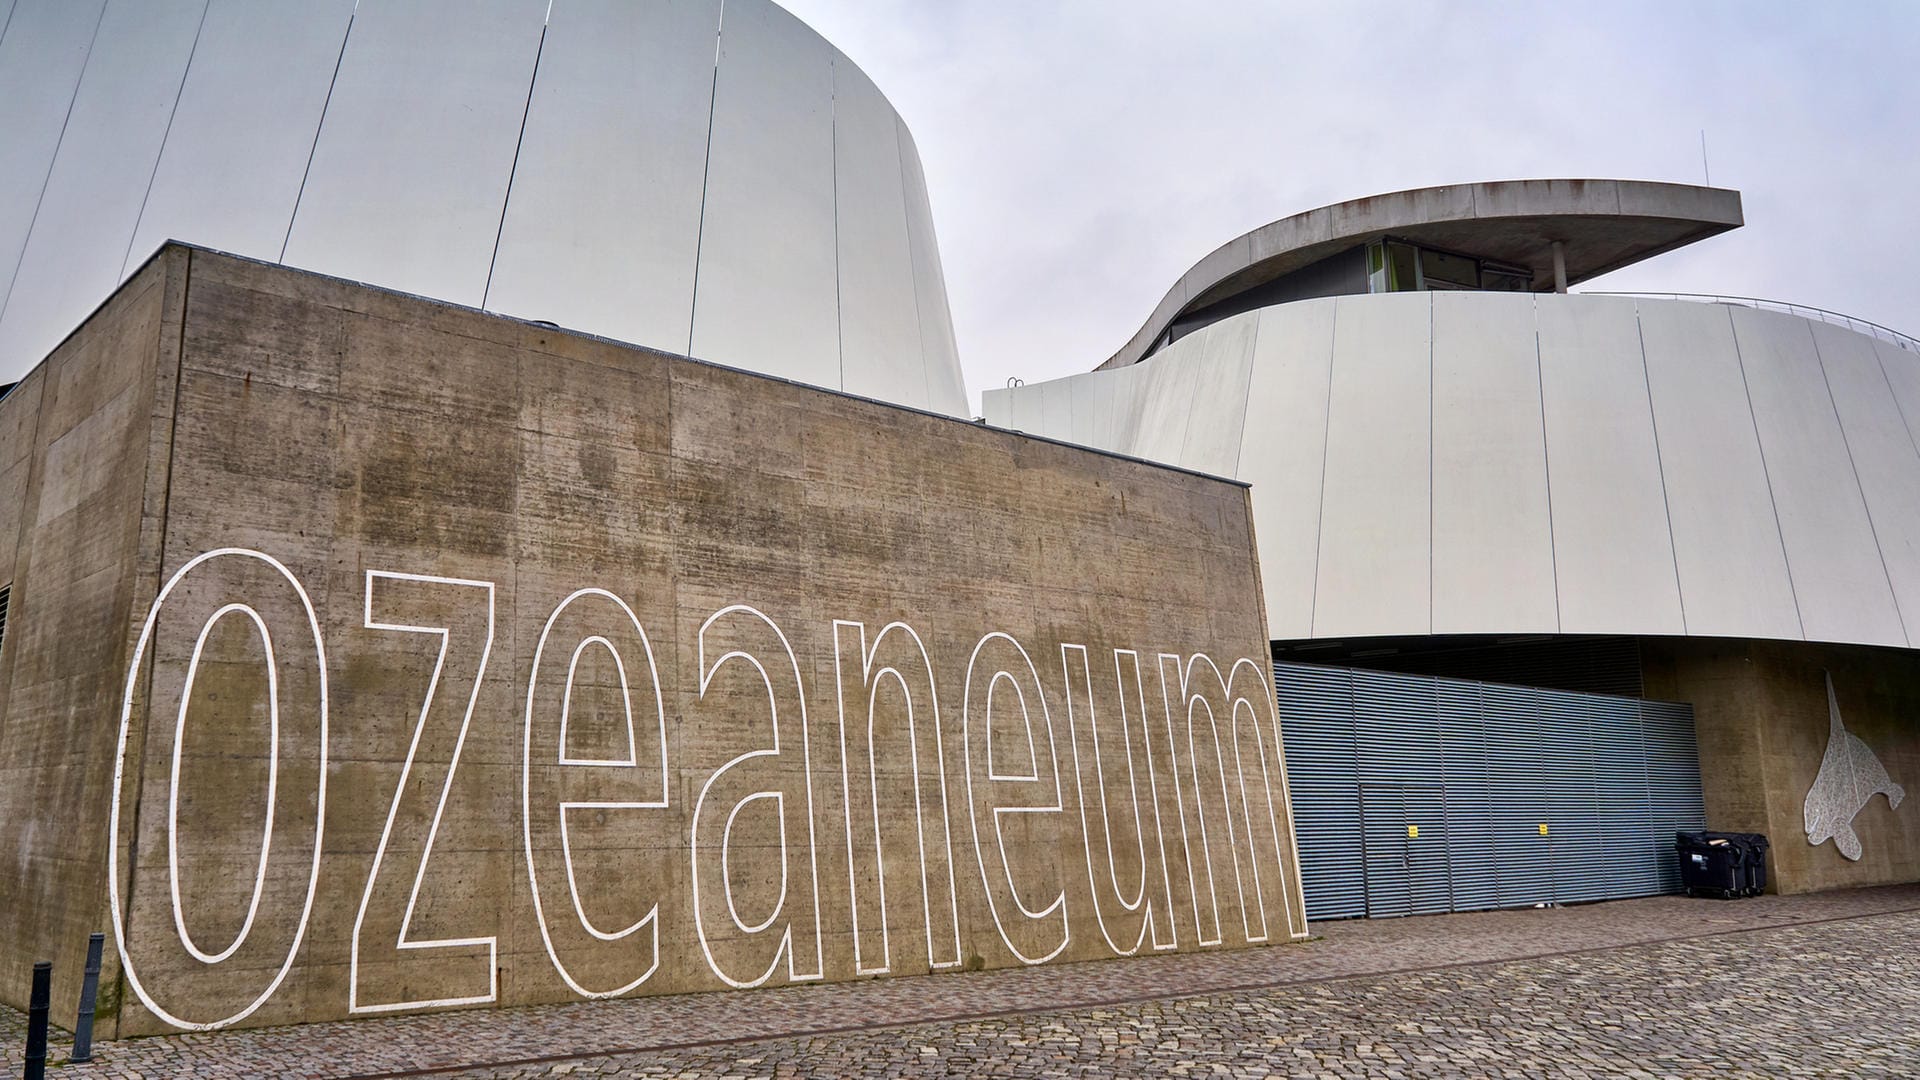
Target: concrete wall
639, 676
83, 440
1763, 722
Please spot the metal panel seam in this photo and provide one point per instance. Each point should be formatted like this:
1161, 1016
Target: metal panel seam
906, 223
1872, 529
706, 173
27, 238
513, 170
1430, 509
1666, 500
1905, 420
833, 171
1326, 433
1246, 411
319, 126
1785, 557
165, 134
1546, 460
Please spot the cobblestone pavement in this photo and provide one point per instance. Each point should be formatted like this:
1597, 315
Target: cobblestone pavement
1827, 984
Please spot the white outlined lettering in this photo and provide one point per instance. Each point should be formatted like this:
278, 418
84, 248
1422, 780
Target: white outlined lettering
1081, 711
1280, 814
1172, 684
573, 770
403, 942
127, 966
738, 630
1202, 693
273, 784
909, 651
983, 684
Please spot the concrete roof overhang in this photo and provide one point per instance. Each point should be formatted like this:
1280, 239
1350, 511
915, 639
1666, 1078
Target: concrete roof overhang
1602, 225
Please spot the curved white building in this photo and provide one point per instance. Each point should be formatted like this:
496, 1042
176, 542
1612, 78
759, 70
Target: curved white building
1443, 461
719, 183
1460, 469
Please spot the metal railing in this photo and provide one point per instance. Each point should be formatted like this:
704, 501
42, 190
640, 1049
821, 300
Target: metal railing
1859, 326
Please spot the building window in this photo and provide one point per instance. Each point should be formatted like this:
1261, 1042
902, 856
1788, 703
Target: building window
1397, 266
6, 594
1392, 267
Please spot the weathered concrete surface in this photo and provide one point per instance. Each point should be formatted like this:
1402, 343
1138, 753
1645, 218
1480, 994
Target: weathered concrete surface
83, 441
1604, 225
546, 569
1761, 716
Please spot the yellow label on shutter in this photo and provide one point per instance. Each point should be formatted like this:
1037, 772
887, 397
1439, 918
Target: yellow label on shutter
1543, 828
1413, 832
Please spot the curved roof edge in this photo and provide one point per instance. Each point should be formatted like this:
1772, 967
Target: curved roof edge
1603, 224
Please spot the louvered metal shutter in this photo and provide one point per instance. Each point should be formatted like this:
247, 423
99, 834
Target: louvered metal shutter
1580, 871
1673, 783
1399, 749
1518, 780
1415, 794
1323, 774
1631, 868
1471, 828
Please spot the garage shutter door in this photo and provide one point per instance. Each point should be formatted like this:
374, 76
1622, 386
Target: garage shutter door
1414, 794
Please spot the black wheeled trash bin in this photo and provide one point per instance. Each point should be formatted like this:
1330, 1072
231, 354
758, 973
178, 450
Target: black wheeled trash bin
1755, 859
1711, 865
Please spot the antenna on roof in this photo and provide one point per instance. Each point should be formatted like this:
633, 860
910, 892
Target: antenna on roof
1703, 157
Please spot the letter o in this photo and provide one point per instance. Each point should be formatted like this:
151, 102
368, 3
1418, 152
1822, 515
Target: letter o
119, 780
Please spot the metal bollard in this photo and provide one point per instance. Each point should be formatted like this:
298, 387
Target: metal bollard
89, 991
36, 1060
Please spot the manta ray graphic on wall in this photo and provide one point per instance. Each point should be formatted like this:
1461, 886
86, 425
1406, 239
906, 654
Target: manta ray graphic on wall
1850, 776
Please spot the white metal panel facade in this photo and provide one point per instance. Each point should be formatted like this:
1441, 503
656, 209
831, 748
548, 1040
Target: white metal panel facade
1885, 460
1056, 408
410, 173
602, 224
1726, 537
1492, 533
1613, 553
244, 128
1105, 410
1022, 412
1571, 448
1838, 579
85, 220
1902, 369
1375, 565
1082, 392
42, 53
1168, 384
1129, 405
1212, 443
564, 162
1284, 439
768, 285
879, 317
945, 389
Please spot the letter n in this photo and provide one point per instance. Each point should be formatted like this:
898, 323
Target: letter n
887, 690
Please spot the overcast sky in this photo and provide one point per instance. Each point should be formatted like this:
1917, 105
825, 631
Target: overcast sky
1082, 155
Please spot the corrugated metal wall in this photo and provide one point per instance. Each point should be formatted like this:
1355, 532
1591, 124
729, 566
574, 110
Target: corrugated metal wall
1414, 794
